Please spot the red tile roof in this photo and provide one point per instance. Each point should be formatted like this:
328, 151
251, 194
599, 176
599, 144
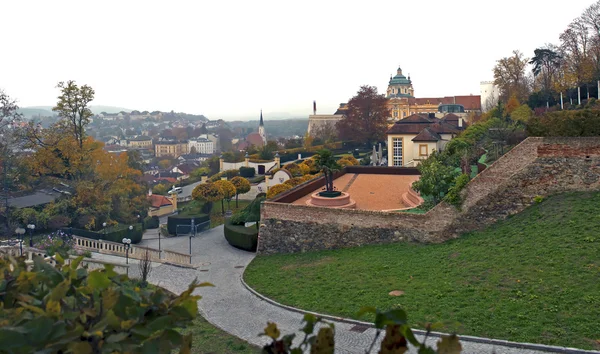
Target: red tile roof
158, 201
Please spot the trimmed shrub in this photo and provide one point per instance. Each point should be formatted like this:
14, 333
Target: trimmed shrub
151, 222
453, 197
348, 161
114, 234
185, 223
242, 237
293, 182
58, 221
247, 172
276, 189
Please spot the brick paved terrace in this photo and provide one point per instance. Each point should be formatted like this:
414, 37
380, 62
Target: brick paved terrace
371, 191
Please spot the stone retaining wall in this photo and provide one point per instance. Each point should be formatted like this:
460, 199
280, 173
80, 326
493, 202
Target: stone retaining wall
536, 167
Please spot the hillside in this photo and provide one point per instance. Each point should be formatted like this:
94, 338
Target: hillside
46, 111
275, 128
531, 278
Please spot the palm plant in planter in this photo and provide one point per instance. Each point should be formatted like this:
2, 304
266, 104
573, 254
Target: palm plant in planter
325, 162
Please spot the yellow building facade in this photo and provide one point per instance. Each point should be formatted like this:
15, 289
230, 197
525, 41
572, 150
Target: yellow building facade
171, 149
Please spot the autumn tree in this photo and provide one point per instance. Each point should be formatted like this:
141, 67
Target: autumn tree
73, 108
307, 143
228, 192
241, 185
510, 76
366, 118
546, 62
8, 160
208, 193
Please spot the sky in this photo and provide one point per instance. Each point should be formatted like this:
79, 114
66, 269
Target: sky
230, 59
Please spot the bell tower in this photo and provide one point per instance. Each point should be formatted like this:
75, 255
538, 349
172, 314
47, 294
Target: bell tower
261, 129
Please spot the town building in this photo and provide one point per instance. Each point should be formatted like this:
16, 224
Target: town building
201, 146
318, 121
490, 95
170, 148
257, 139
402, 103
414, 138
140, 142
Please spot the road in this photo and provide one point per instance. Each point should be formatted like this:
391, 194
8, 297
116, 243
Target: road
187, 190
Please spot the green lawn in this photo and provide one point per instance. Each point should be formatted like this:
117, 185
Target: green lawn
210, 339
532, 278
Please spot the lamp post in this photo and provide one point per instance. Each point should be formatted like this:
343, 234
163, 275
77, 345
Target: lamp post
31, 227
104, 229
159, 251
20, 231
127, 244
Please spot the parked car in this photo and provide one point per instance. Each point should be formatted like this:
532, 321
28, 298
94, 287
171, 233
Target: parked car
177, 190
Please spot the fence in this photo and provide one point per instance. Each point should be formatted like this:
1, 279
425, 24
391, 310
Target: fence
115, 234
183, 230
91, 264
135, 252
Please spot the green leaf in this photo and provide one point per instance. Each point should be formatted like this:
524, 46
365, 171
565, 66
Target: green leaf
449, 345
60, 291
81, 347
366, 309
98, 280
186, 345
396, 316
160, 323
117, 337
272, 331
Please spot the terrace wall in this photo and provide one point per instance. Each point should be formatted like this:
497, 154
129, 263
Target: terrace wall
536, 167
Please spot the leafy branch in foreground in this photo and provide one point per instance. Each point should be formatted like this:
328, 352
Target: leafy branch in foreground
65, 308
398, 336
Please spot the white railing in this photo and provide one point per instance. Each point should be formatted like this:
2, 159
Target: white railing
90, 263
135, 252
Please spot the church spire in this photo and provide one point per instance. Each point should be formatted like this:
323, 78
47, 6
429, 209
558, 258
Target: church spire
261, 119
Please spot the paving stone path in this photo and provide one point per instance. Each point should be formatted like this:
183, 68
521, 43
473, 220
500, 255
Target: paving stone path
230, 306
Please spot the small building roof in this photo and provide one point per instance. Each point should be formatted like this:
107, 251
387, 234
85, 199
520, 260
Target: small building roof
427, 135
158, 201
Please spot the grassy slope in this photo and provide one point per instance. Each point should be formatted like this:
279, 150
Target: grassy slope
532, 278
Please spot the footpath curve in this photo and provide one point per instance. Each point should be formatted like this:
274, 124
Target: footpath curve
232, 306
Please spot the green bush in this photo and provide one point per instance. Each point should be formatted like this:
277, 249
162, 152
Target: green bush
151, 222
113, 234
453, 197
247, 172
174, 220
66, 309
227, 173
240, 236
585, 122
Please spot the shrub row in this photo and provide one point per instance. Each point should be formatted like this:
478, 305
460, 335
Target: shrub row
113, 234
242, 237
185, 223
247, 172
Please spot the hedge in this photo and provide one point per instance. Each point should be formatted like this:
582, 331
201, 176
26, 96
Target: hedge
151, 222
242, 237
247, 172
174, 220
114, 234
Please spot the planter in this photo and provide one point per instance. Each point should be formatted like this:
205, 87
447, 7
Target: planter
333, 194
342, 201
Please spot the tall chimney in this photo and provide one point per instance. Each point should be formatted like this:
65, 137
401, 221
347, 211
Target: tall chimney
315, 108
460, 122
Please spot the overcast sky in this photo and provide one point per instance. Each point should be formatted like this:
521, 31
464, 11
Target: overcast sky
231, 58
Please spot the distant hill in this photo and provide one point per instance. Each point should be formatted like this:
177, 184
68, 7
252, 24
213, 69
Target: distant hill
36, 112
46, 111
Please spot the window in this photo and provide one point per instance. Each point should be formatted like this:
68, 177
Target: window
423, 150
397, 145
395, 114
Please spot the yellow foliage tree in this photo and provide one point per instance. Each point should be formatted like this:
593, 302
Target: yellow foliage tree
348, 161
241, 185
208, 193
228, 192
278, 188
308, 140
304, 168
513, 103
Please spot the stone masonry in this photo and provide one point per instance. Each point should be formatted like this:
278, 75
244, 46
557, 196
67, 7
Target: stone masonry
536, 167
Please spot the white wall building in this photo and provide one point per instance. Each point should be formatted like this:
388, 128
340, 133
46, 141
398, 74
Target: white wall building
490, 94
201, 145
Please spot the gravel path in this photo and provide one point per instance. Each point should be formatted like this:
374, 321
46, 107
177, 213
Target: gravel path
230, 306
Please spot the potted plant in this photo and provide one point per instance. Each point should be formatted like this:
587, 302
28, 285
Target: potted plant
325, 162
